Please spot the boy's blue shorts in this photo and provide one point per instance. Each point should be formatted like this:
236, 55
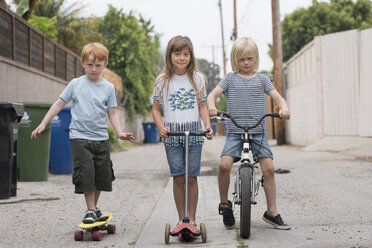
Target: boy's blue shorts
234, 146
176, 159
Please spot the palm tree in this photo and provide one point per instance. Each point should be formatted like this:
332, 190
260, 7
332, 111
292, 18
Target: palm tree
73, 31
3, 3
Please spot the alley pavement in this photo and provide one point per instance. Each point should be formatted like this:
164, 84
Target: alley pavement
326, 197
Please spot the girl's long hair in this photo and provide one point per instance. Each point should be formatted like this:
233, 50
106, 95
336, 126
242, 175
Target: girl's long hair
176, 44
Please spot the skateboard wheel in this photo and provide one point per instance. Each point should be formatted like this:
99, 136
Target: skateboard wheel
96, 235
78, 235
203, 232
167, 232
111, 229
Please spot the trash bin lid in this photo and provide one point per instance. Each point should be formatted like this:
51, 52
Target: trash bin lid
37, 104
18, 108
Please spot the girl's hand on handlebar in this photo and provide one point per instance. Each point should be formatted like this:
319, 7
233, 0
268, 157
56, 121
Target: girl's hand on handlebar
209, 133
164, 132
213, 112
284, 114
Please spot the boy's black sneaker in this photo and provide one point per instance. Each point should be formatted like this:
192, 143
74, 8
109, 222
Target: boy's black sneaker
90, 217
100, 215
276, 221
227, 213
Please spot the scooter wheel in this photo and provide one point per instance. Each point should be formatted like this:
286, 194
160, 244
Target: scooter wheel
203, 232
167, 233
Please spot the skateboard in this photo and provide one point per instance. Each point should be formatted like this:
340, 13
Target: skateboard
95, 228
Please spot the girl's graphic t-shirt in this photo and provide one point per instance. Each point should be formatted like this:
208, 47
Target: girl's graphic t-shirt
180, 104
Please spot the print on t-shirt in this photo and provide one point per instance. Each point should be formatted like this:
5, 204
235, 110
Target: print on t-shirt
182, 99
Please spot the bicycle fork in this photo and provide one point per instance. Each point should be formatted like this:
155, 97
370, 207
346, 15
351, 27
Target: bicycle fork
255, 184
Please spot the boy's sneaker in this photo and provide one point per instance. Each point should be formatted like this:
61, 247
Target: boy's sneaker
90, 217
276, 221
227, 213
100, 215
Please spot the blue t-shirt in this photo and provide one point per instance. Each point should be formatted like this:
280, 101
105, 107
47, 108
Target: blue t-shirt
90, 103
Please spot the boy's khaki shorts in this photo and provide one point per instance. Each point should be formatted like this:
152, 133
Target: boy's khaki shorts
92, 165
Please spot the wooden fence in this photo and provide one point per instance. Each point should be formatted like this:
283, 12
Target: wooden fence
23, 43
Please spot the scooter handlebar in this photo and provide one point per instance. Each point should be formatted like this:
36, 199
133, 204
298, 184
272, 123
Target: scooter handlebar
183, 133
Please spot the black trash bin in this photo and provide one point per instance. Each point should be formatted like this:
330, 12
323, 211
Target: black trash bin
10, 115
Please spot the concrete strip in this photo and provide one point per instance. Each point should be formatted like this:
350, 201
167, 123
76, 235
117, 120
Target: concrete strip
165, 212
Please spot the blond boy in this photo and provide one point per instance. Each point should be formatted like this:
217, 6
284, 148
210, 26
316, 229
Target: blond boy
245, 90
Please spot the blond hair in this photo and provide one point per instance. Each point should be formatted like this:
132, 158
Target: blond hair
176, 44
97, 50
241, 47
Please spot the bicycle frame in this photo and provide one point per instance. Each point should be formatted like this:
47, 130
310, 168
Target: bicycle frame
245, 162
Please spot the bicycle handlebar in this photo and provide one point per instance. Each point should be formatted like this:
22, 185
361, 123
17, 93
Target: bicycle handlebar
183, 133
228, 116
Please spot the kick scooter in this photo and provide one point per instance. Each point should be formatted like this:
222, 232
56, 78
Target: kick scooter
186, 230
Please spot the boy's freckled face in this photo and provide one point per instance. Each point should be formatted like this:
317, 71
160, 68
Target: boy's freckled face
94, 68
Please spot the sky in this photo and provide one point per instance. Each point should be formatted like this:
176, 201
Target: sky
200, 21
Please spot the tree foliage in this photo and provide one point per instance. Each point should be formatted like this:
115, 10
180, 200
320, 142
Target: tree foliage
73, 30
211, 71
45, 25
3, 2
301, 26
133, 47
25, 8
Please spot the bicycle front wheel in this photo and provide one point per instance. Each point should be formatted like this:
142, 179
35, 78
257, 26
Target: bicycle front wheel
245, 202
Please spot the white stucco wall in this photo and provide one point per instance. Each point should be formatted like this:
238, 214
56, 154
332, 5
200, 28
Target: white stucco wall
365, 103
304, 96
340, 82
328, 87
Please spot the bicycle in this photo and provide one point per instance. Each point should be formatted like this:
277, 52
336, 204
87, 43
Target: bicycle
246, 184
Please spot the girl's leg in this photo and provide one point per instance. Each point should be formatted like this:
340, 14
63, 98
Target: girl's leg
267, 167
193, 197
179, 195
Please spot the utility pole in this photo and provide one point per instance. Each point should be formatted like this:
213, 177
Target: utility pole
223, 40
278, 68
235, 32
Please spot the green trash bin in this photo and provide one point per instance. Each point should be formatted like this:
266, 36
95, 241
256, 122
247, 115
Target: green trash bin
33, 155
